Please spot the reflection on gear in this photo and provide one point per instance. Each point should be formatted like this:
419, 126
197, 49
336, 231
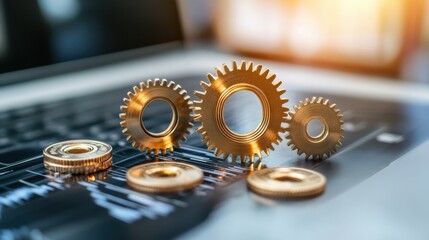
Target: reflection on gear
327, 141
209, 111
138, 135
256, 166
68, 178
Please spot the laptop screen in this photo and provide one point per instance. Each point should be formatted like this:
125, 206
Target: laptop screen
43, 32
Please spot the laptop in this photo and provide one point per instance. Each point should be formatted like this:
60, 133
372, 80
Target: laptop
67, 65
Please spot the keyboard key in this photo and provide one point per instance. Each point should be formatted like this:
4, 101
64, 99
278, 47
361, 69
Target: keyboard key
5, 142
18, 154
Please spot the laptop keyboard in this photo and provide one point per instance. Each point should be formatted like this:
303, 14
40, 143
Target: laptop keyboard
24, 133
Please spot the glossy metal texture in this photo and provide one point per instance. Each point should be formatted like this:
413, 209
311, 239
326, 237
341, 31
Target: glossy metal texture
78, 156
164, 177
133, 127
327, 141
209, 111
286, 182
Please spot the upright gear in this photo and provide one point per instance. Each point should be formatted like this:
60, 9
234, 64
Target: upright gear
209, 111
327, 141
142, 138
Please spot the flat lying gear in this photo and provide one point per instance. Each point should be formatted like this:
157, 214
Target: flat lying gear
327, 141
209, 111
142, 138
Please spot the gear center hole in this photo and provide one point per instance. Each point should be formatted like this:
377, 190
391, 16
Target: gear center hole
80, 149
289, 177
315, 128
163, 173
242, 112
158, 117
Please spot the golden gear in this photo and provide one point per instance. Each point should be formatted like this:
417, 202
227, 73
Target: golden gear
327, 141
142, 138
209, 111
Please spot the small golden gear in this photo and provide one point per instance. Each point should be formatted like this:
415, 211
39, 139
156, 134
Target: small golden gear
209, 111
327, 141
142, 138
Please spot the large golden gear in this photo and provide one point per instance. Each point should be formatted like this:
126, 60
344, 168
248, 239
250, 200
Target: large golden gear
209, 111
142, 138
327, 141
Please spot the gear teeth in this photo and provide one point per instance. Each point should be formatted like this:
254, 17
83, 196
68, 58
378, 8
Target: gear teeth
225, 68
258, 69
200, 129
277, 85
200, 95
163, 151
183, 93
122, 116
271, 77
250, 67
171, 85
217, 152
204, 85
242, 66
211, 78
149, 83
264, 74
210, 145
234, 66
127, 101
131, 95
234, 158
136, 89
281, 91
142, 86
266, 152
164, 82
197, 118
219, 72
326, 102
123, 123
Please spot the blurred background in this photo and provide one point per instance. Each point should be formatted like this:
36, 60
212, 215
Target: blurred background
380, 37
372, 36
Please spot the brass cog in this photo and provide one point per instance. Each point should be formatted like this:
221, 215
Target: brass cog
327, 141
132, 124
209, 111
